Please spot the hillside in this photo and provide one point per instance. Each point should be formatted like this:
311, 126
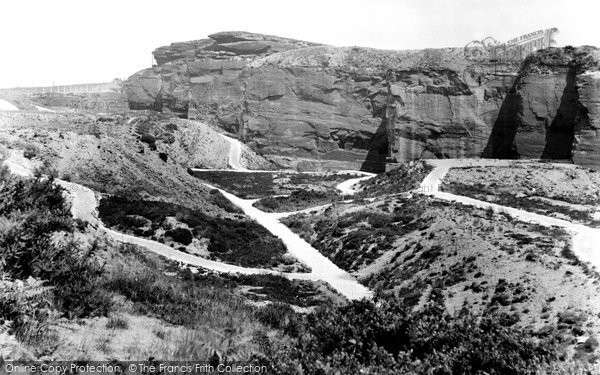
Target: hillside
152, 152
407, 246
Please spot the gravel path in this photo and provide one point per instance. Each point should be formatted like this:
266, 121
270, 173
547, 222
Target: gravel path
84, 206
321, 267
585, 240
347, 187
235, 153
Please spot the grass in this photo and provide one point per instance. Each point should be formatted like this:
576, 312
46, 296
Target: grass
271, 288
214, 316
220, 201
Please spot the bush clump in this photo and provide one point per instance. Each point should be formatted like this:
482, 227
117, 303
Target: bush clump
297, 200
241, 242
180, 235
387, 338
32, 213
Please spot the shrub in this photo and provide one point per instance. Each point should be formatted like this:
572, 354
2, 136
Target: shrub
279, 316
220, 201
148, 138
242, 242
45, 169
388, 338
298, 199
379, 220
406, 177
31, 212
117, 322
30, 151
180, 235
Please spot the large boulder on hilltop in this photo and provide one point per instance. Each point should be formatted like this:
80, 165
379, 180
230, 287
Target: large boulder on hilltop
296, 102
144, 90
181, 50
244, 36
224, 44
245, 48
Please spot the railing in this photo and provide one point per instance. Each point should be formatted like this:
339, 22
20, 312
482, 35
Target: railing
65, 89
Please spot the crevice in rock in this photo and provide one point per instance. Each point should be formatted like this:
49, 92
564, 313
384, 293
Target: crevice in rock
560, 135
378, 150
501, 143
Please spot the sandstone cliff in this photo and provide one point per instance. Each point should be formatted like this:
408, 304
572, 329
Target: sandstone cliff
552, 110
312, 106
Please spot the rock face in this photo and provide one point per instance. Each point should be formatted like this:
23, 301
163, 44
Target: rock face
551, 112
310, 106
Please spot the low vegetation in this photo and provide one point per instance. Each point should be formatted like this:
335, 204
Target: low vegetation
387, 338
353, 240
297, 200
275, 288
264, 184
70, 275
246, 185
406, 177
529, 203
241, 242
38, 242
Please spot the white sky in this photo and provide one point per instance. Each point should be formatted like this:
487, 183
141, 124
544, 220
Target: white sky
64, 42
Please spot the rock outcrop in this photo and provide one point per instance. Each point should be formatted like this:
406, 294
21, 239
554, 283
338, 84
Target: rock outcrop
552, 110
312, 106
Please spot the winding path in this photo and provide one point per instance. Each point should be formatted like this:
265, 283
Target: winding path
321, 267
84, 206
347, 187
235, 153
235, 162
585, 240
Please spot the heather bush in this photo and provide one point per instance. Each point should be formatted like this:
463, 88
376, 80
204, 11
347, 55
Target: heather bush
32, 213
297, 200
387, 338
242, 242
